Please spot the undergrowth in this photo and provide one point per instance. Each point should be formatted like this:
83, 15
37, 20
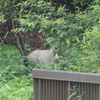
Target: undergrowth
15, 79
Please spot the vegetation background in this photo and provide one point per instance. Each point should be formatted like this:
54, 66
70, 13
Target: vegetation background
70, 26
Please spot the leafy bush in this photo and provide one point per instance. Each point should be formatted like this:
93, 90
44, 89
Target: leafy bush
15, 78
60, 28
2, 20
91, 48
32, 12
11, 63
76, 36
17, 89
66, 32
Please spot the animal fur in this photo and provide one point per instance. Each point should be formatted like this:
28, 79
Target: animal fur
41, 57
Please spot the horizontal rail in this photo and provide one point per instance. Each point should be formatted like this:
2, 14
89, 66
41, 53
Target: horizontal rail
66, 76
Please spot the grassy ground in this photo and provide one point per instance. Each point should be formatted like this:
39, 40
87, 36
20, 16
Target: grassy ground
15, 79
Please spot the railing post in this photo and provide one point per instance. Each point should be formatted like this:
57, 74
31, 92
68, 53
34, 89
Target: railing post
69, 89
99, 91
39, 89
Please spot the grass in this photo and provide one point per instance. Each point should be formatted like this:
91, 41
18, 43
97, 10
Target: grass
15, 79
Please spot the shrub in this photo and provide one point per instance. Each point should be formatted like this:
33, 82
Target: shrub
15, 78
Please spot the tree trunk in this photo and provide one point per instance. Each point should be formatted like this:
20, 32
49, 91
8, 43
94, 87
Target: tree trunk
18, 36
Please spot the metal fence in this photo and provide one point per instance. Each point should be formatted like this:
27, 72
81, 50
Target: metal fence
64, 85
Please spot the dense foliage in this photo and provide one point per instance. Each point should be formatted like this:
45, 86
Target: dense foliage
15, 79
76, 36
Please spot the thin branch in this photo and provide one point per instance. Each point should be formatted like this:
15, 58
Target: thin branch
5, 36
1, 41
